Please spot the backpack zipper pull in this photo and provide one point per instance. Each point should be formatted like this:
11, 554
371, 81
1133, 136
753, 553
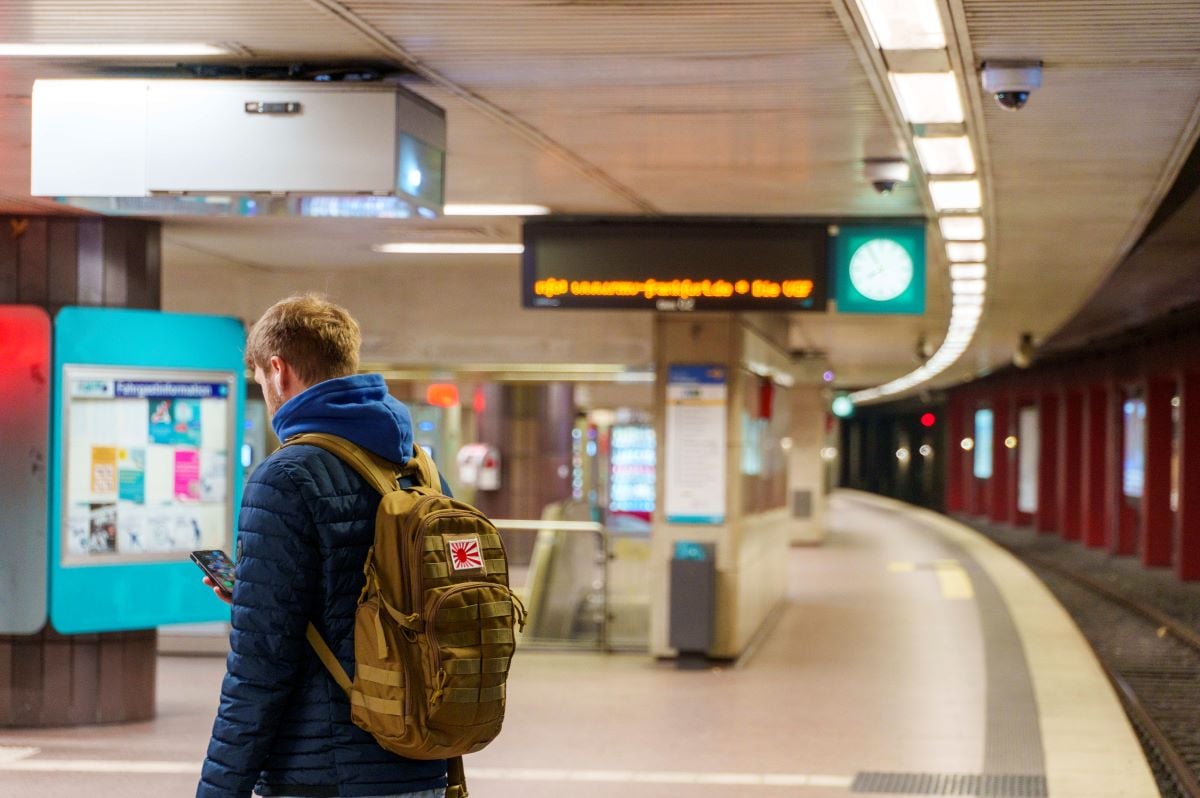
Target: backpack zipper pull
440, 688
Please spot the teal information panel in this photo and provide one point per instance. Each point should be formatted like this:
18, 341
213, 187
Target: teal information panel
879, 268
24, 444
146, 432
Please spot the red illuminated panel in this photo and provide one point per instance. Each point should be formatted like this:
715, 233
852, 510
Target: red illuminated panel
442, 394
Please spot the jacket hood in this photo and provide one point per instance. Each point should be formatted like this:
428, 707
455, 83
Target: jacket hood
357, 408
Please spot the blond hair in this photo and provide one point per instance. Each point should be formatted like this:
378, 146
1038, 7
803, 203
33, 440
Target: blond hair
317, 338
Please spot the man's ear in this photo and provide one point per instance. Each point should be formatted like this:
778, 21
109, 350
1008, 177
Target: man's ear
280, 374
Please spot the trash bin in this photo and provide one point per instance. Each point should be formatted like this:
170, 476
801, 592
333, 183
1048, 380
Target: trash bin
693, 598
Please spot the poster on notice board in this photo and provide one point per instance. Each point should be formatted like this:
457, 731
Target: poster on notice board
696, 444
147, 463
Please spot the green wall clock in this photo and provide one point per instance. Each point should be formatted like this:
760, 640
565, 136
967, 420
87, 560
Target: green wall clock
879, 268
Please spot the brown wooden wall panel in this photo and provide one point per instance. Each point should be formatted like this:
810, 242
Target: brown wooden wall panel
90, 263
31, 262
8, 262
62, 258
111, 701
116, 263
6, 649
27, 681
85, 673
153, 286
56, 681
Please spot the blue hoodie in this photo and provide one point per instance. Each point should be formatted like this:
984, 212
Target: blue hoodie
306, 523
357, 408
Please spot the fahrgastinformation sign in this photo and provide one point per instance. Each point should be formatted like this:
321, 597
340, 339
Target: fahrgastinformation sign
694, 479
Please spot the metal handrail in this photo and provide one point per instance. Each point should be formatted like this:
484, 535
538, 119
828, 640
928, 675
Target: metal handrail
593, 527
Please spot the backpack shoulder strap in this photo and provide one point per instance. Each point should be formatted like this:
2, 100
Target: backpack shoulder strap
422, 468
379, 473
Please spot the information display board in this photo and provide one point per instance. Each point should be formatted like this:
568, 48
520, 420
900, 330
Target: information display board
145, 469
696, 445
677, 264
148, 460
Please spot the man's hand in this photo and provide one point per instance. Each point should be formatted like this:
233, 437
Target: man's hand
220, 592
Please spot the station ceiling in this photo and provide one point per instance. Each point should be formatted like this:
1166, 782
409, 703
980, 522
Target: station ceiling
747, 107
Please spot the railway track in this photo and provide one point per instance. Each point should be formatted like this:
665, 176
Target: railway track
1152, 660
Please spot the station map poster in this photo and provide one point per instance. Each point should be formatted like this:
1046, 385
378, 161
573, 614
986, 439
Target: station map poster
696, 444
679, 264
25, 433
145, 414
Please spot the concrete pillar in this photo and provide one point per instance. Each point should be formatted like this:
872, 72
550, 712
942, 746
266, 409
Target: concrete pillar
1187, 544
752, 541
1046, 518
1070, 466
806, 469
1157, 519
49, 679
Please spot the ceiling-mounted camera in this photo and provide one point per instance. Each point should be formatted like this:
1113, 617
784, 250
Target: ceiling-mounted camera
885, 173
1011, 82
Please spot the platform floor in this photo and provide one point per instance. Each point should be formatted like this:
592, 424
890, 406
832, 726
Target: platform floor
912, 657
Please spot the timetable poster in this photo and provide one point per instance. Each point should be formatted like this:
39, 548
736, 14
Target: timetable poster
147, 464
696, 445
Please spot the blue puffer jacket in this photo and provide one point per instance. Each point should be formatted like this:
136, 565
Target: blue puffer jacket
305, 526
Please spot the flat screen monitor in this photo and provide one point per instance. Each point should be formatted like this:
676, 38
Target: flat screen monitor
148, 463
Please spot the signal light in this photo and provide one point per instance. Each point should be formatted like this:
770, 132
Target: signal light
928, 419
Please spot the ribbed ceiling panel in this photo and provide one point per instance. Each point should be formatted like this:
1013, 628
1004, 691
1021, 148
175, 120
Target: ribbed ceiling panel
264, 27
1077, 168
658, 93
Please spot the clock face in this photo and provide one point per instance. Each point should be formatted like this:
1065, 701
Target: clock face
881, 269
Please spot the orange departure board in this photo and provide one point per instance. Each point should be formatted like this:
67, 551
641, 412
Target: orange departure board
674, 264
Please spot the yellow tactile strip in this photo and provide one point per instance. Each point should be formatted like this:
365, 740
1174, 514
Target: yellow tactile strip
1090, 748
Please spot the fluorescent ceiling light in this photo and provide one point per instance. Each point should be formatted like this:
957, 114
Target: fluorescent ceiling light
495, 209
904, 24
967, 306
956, 195
966, 251
422, 248
962, 228
967, 271
927, 97
948, 155
968, 286
110, 50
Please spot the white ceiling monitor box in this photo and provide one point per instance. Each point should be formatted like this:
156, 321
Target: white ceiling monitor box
636, 119
238, 147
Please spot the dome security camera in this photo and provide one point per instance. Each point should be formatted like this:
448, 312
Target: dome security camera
885, 173
1011, 82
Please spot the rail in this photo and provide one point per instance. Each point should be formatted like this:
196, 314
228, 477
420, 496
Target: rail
1162, 744
602, 535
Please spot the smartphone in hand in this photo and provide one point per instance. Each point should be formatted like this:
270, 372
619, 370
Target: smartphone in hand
218, 567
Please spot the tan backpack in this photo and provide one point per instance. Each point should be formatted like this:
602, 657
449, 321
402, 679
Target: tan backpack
434, 629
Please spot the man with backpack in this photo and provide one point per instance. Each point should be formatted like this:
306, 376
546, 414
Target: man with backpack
307, 523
